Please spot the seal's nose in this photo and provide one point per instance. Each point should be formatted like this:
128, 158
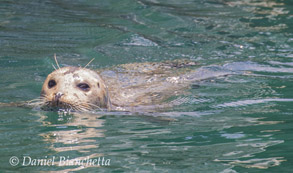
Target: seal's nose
58, 96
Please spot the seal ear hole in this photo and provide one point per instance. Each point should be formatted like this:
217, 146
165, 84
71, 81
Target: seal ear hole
83, 86
51, 84
98, 84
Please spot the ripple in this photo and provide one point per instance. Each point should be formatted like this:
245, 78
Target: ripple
252, 66
251, 102
137, 40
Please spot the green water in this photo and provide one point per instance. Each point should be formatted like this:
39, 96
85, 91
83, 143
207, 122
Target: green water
234, 123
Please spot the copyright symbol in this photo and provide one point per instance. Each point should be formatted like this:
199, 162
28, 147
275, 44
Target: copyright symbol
13, 161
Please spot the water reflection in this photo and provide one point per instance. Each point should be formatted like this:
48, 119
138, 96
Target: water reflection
73, 132
266, 13
269, 8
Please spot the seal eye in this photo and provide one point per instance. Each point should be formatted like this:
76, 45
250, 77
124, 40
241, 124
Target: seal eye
84, 86
51, 84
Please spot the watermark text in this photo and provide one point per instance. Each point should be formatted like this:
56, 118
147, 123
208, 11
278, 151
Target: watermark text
59, 161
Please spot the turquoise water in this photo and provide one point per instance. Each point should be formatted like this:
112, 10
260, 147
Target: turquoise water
232, 123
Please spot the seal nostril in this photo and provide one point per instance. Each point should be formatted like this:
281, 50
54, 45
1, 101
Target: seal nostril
58, 96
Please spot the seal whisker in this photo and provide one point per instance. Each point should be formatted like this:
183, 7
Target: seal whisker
84, 108
80, 108
39, 98
89, 63
56, 60
72, 106
95, 106
54, 67
35, 102
77, 106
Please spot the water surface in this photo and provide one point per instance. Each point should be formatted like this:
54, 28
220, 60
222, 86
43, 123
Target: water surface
223, 123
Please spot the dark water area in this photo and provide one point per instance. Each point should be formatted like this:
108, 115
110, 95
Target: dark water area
240, 122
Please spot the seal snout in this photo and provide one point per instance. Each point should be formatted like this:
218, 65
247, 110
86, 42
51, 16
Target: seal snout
57, 97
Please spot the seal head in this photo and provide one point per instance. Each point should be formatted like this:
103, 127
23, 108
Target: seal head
74, 88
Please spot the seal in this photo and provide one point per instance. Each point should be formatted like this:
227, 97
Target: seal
74, 88
130, 86
134, 87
